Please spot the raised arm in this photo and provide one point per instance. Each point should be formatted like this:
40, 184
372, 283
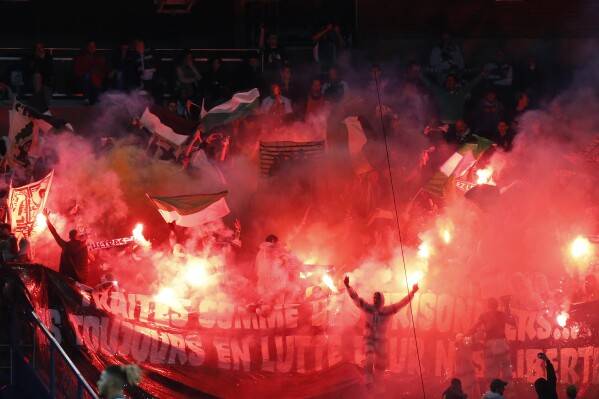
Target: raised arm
551, 376
396, 307
361, 303
317, 36
53, 231
467, 88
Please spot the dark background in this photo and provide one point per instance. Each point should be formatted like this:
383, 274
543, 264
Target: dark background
234, 23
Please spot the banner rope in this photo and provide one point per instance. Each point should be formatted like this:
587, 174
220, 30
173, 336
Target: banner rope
403, 259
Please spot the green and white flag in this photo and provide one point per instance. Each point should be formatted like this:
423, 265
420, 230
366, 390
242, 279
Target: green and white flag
457, 165
191, 210
240, 105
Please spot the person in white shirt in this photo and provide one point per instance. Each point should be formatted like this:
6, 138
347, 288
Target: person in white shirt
276, 104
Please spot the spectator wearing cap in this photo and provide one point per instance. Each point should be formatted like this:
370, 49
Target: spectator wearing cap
496, 390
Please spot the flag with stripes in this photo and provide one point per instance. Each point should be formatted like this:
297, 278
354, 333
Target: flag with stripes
457, 165
191, 210
275, 155
240, 105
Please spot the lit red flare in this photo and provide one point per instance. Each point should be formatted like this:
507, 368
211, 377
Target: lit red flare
562, 318
139, 238
485, 176
580, 248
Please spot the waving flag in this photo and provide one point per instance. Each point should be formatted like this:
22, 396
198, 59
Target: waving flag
191, 210
275, 155
172, 128
240, 105
26, 202
457, 165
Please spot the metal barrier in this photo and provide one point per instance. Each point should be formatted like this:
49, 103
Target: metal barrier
82, 384
63, 58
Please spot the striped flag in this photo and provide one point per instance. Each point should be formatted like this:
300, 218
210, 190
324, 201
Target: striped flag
277, 154
191, 210
240, 105
457, 165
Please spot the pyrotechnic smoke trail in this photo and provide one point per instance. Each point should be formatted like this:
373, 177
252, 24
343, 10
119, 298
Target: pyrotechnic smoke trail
403, 258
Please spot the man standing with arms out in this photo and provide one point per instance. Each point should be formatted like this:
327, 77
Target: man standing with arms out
375, 332
73, 258
497, 351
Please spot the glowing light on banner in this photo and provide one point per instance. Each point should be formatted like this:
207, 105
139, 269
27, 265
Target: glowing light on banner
562, 319
167, 296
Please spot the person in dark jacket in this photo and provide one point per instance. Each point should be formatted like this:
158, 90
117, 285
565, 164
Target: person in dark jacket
454, 391
73, 258
547, 388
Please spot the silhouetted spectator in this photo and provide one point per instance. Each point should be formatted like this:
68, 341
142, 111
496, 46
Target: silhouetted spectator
500, 74
188, 77
118, 65
488, 113
142, 68
274, 54
216, 84
547, 388
41, 64
276, 105
250, 76
446, 58
454, 391
504, 136
522, 106
496, 390
315, 102
460, 133
571, 392
90, 70
290, 88
530, 79
376, 79
335, 89
451, 98
328, 43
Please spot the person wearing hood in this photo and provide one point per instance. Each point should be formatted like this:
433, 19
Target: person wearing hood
377, 317
496, 390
